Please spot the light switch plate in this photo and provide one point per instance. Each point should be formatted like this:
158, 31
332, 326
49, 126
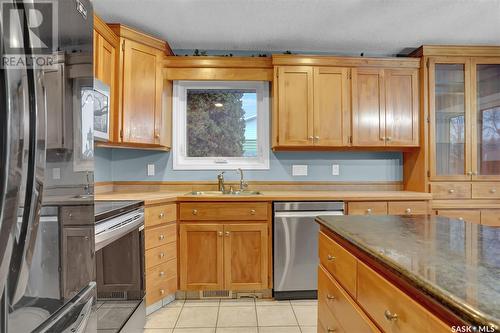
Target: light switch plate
151, 169
299, 170
335, 170
56, 173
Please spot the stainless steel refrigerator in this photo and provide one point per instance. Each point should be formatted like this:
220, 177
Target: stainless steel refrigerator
47, 268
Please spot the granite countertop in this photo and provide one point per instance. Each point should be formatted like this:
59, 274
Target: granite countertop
454, 262
157, 197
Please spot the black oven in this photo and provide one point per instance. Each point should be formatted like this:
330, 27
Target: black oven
120, 275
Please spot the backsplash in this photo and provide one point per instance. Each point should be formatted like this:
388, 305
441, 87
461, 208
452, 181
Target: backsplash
131, 165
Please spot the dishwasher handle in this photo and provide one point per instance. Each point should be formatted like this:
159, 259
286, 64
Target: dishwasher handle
308, 213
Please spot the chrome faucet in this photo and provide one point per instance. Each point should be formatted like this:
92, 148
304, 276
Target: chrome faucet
220, 179
243, 184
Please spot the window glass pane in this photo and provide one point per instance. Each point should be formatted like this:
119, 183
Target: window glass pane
488, 119
221, 123
450, 115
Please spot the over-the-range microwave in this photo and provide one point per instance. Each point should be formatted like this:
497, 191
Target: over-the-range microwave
101, 110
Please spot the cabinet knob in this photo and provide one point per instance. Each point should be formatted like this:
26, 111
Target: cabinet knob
390, 316
161, 237
87, 238
330, 297
460, 218
493, 190
162, 273
162, 292
220, 233
388, 138
382, 138
451, 191
330, 257
331, 330
252, 211
161, 215
311, 138
162, 255
157, 135
316, 137
195, 211
227, 233
368, 211
469, 173
408, 211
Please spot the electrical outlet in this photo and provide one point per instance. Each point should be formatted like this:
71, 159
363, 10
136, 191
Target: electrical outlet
335, 170
56, 173
299, 170
151, 169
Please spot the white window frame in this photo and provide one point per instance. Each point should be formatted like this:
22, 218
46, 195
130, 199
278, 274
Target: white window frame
180, 159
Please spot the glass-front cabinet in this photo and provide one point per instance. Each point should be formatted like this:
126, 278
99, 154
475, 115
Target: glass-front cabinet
464, 100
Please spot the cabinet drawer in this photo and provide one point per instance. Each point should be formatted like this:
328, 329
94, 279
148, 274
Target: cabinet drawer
160, 254
350, 316
161, 290
224, 211
490, 217
368, 208
338, 262
472, 216
160, 214
408, 208
381, 300
161, 273
486, 191
160, 236
327, 322
77, 215
451, 190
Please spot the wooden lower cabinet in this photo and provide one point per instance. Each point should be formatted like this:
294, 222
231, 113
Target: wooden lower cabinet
407, 208
223, 256
490, 217
376, 306
472, 216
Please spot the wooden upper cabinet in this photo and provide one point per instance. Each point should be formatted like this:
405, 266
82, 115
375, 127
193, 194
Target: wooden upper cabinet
295, 105
401, 107
368, 107
245, 256
331, 117
201, 256
142, 93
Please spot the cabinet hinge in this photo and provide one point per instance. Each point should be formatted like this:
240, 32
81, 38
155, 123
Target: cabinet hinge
350, 75
428, 119
428, 173
427, 63
123, 45
350, 139
121, 134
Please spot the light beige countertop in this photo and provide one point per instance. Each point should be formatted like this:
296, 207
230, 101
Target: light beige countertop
158, 197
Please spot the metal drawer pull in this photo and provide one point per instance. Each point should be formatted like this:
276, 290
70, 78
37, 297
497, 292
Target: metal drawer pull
220, 233
368, 211
389, 138
330, 297
451, 191
227, 233
162, 215
316, 137
408, 211
390, 316
493, 190
195, 212
331, 330
162, 237
162, 273
382, 138
330, 257
252, 211
162, 255
469, 173
460, 218
311, 138
162, 291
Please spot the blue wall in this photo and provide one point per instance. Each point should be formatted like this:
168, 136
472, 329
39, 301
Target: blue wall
131, 165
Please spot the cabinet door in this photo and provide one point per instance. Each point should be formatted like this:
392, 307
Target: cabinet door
106, 72
141, 93
78, 259
368, 107
245, 256
449, 111
295, 106
201, 263
401, 107
331, 107
485, 82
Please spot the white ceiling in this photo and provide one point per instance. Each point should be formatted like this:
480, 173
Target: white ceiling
375, 27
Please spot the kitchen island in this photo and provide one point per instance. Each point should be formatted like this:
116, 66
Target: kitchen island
407, 274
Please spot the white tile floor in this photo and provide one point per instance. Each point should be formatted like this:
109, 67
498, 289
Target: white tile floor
234, 316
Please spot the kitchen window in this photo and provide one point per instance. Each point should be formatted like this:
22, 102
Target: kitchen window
220, 125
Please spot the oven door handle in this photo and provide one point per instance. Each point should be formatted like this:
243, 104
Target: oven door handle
108, 236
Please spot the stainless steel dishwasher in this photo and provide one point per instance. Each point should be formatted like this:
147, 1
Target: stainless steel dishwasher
295, 253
